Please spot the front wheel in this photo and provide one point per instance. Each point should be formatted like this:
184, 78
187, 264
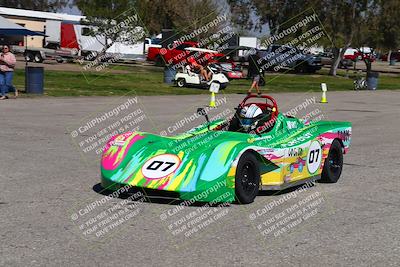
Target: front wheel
181, 82
333, 164
247, 179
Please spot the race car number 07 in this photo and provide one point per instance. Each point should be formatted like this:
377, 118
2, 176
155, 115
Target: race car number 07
160, 166
314, 157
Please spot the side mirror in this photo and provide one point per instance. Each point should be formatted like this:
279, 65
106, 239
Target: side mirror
202, 112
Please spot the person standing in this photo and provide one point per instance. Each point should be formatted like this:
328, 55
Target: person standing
7, 64
254, 72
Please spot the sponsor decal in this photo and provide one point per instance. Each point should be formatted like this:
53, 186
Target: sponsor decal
314, 157
295, 152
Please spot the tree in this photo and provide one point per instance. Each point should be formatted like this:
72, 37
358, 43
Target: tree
342, 19
389, 26
339, 18
111, 21
161, 14
40, 5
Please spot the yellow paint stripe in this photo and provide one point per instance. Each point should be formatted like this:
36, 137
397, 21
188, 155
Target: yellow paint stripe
175, 183
189, 176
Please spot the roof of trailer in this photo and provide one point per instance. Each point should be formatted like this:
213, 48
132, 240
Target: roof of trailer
5, 11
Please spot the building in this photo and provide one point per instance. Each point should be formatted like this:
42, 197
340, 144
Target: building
39, 21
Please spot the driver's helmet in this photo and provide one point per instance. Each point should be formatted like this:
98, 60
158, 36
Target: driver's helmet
247, 115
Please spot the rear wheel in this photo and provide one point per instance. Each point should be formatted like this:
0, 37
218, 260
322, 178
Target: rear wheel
247, 179
38, 58
333, 164
29, 56
301, 67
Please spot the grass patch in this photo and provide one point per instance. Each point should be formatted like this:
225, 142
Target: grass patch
148, 80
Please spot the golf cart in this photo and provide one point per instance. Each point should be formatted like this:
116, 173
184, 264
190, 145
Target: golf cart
187, 77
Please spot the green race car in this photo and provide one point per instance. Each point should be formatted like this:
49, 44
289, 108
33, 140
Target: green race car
259, 148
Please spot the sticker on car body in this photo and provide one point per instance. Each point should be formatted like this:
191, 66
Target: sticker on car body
314, 157
160, 166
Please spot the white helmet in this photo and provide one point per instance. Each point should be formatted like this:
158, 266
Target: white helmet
248, 113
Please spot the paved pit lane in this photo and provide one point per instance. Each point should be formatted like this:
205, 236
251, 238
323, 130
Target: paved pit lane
52, 212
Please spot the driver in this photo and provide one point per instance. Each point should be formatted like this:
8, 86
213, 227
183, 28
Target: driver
198, 68
248, 117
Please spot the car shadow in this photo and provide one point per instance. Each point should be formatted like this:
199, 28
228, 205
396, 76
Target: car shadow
152, 196
282, 192
172, 198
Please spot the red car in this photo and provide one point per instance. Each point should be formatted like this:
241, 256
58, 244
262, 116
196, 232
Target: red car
176, 52
356, 55
231, 70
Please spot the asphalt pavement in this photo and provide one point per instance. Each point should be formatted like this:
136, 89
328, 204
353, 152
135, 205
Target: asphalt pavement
53, 213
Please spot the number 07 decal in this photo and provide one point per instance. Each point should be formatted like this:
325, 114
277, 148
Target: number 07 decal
160, 166
314, 157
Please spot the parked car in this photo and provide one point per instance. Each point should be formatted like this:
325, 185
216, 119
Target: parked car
393, 56
327, 59
231, 70
178, 53
277, 57
359, 54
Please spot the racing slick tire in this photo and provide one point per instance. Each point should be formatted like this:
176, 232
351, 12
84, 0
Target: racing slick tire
247, 178
181, 82
333, 163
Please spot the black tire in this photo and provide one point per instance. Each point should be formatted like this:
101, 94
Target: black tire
29, 56
223, 86
301, 67
311, 70
333, 164
38, 58
181, 82
247, 178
